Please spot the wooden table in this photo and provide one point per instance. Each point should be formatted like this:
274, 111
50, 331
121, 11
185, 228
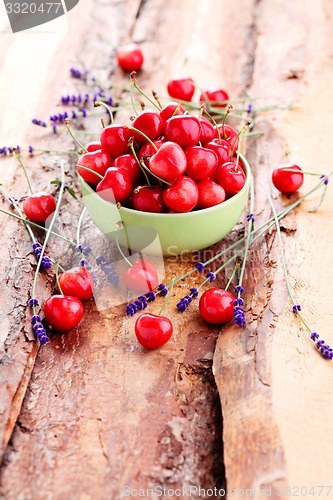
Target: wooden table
90, 412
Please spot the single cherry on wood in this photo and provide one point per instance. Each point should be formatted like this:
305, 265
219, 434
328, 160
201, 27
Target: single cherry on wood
215, 94
153, 331
39, 206
77, 282
216, 306
63, 312
130, 57
286, 180
182, 88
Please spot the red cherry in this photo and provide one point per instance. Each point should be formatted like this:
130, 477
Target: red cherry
210, 194
231, 177
147, 150
39, 206
222, 148
148, 199
141, 277
77, 282
181, 88
214, 94
286, 181
201, 162
169, 110
98, 161
130, 165
150, 123
115, 186
208, 132
153, 331
93, 146
62, 312
183, 129
169, 161
130, 57
216, 306
114, 139
229, 135
182, 196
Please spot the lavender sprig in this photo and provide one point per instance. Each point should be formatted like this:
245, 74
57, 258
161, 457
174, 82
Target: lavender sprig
76, 73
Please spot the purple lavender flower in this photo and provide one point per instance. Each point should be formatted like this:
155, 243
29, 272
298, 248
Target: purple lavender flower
30, 150
186, 301
76, 73
324, 349
239, 289
296, 308
210, 276
250, 217
46, 262
162, 289
249, 108
33, 302
151, 296
200, 266
40, 123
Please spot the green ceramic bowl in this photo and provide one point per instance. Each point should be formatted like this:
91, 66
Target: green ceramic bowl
171, 234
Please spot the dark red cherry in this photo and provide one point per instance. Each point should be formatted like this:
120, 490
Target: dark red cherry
213, 95
63, 312
222, 148
182, 196
148, 199
183, 129
231, 177
210, 194
39, 206
150, 123
207, 130
287, 181
130, 57
115, 186
141, 277
147, 150
98, 161
93, 146
114, 139
130, 165
77, 282
169, 161
181, 88
153, 331
216, 306
171, 109
201, 162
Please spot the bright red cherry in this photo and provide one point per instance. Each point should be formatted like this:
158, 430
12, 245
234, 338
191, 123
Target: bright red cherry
216, 306
171, 109
182, 196
77, 282
115, 186
169, 161
208, 132
287, 181
39, 206
98, 161
130, 165
231, 177
63, 312
201, 162
147, 150
114, 139
228, 134
183, 129
222, 148
153, 331
150, 123
141, 277
130, 57
93, 146
181, 88
210, 194
214, 95
148, 199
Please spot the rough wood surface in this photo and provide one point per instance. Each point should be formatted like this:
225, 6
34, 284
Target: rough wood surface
99, 413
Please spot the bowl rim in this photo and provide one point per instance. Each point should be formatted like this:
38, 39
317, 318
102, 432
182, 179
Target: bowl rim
194, 213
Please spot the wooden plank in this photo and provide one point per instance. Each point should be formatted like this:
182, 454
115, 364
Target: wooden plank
272, 382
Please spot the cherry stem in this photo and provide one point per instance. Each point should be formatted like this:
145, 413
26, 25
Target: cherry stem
229, 108
101, 103
236, 138
57, 278
134, 83
132, 99
67, 122
155, 96
290, 169
122, 254
151, 173
173, 281
49, 230
131, 145
18, 157
176, 111
204, 110
249, 234
143, 135
89, 170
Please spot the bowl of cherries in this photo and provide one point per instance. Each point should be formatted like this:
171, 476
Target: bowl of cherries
169, 176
